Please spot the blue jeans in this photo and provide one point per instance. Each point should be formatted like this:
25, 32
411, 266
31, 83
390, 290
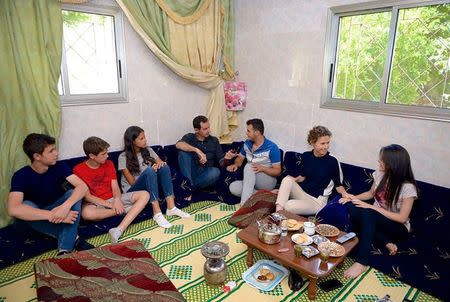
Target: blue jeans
149, 180
200, 176
65, 233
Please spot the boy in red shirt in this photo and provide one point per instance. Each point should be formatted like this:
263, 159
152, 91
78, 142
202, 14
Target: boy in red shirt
104, 198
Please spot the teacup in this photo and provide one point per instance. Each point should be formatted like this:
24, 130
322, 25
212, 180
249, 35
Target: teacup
309, 228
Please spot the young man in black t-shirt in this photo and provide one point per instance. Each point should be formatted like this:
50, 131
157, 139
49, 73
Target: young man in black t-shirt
200, 155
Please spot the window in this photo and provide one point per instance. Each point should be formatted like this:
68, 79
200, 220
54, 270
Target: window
93, 65
391, 60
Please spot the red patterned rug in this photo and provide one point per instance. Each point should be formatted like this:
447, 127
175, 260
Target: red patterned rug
118, 272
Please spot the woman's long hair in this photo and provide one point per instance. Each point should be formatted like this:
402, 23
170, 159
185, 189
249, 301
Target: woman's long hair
397, 171
130, 151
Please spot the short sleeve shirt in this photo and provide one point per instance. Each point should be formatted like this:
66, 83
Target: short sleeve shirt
266, 155
122, 164
98, 180
42, 189
210, 146
407, 190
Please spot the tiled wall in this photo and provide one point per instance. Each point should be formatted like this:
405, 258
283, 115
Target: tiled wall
279, 53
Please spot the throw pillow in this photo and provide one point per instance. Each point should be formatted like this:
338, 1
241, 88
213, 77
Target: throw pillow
259, 205
335, 214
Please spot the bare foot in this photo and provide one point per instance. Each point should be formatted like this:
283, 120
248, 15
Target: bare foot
392, 248
355, 270
275, 191
278, 208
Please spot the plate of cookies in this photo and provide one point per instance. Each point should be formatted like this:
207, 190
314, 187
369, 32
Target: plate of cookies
292, 224
265, 275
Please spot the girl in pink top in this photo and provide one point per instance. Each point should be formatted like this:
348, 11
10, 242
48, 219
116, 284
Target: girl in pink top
387, 219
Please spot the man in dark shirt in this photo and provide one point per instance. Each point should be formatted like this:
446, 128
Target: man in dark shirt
37, 195
200, 154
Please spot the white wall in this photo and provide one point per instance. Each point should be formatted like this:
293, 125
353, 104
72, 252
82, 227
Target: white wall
159, 102
279, 53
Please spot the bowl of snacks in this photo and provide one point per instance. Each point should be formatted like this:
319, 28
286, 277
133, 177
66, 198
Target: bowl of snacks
335, 249
327, 230
292, 224
301, 239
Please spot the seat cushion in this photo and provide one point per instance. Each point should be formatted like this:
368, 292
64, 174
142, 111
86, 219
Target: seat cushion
259, 205
418, 262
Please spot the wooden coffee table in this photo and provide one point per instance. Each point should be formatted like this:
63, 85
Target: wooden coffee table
313, 268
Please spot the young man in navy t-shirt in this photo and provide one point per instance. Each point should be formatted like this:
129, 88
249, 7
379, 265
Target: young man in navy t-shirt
37, 195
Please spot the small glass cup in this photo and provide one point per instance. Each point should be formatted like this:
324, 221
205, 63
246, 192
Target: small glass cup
312, 219
298, 249
325, 255
284, 228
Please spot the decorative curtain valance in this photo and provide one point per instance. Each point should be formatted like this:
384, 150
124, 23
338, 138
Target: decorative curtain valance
74, 1
184, 11
192, 51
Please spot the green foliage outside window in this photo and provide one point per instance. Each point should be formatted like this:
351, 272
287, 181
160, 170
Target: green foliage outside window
420, 72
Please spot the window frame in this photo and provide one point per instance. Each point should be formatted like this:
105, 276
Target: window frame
98, 98
330, 55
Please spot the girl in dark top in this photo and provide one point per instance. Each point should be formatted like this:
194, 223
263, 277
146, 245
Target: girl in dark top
308, 193
387, 220
142, 169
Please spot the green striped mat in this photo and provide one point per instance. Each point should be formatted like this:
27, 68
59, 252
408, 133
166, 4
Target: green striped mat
177, 250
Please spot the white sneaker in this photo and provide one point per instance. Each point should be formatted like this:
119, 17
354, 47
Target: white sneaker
161, 221
177, 212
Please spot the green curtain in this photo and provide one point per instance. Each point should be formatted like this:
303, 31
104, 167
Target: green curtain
228, 43
30, 45
153, 21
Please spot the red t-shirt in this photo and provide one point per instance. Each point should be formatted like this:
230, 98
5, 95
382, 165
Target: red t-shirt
98, 180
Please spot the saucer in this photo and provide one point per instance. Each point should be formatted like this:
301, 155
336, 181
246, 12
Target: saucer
317, 239
307, 240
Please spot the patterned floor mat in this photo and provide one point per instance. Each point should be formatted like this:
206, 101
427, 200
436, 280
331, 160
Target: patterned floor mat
177, 251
